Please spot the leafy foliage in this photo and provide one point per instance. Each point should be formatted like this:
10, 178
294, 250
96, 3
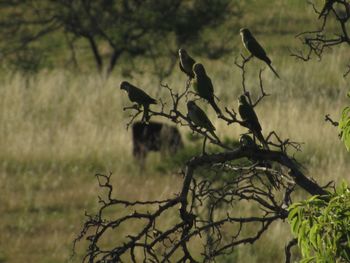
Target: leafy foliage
322, 226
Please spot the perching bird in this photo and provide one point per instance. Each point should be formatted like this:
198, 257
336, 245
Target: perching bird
140, 97
250, 119
199, 118
186, 63
327, 6
247, 142
255, 48
203, 86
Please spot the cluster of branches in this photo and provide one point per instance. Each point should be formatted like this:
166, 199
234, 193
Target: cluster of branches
130, 27
332, 13
209, 209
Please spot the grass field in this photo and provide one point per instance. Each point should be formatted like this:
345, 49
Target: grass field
60, 128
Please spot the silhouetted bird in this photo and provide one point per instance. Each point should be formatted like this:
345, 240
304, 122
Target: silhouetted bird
140, 97
199, 118
250, 119
186, 63
255, 48
327, 6
247, 142
203, 86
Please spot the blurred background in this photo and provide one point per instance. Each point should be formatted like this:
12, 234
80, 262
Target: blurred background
62, 118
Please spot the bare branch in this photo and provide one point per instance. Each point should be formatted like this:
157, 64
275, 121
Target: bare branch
319, 40
328, 118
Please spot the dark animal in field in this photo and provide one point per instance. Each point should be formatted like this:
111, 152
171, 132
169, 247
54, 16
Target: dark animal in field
154, 136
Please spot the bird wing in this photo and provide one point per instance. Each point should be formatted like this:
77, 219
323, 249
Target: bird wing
210, 86
182, 68
190, 62
205, 87
203, 120
186, 66
248, 114
257, 50
139, 96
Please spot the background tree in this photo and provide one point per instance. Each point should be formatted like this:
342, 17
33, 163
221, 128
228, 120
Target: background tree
113, 28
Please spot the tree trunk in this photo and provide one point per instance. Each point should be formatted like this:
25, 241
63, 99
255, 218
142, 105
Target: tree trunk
97, 55
115, 56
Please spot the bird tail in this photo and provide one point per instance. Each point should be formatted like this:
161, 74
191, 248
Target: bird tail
215, 106
274, 71
215, 136
262, 140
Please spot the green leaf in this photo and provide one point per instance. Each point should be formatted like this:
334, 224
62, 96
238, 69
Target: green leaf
344, 127
295, 224
313, 235
323, 227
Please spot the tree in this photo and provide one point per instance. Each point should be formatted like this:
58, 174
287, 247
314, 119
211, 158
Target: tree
328, 36
322, 226
218, 183
213, 184
138, 28
320, 223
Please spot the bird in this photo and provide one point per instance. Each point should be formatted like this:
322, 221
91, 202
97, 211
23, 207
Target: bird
247, 142
140, 97
202, 84
186, 63
253, 46
250, 119
327, 6
200, 119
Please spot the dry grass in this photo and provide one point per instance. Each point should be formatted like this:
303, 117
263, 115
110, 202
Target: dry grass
61, 129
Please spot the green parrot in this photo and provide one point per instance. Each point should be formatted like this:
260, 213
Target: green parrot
203, 86
253, 46
186, 63
140, 97
247, 142
249, 117
199, 118
327, 6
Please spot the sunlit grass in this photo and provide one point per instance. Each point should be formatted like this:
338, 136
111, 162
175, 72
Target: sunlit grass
61, 129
